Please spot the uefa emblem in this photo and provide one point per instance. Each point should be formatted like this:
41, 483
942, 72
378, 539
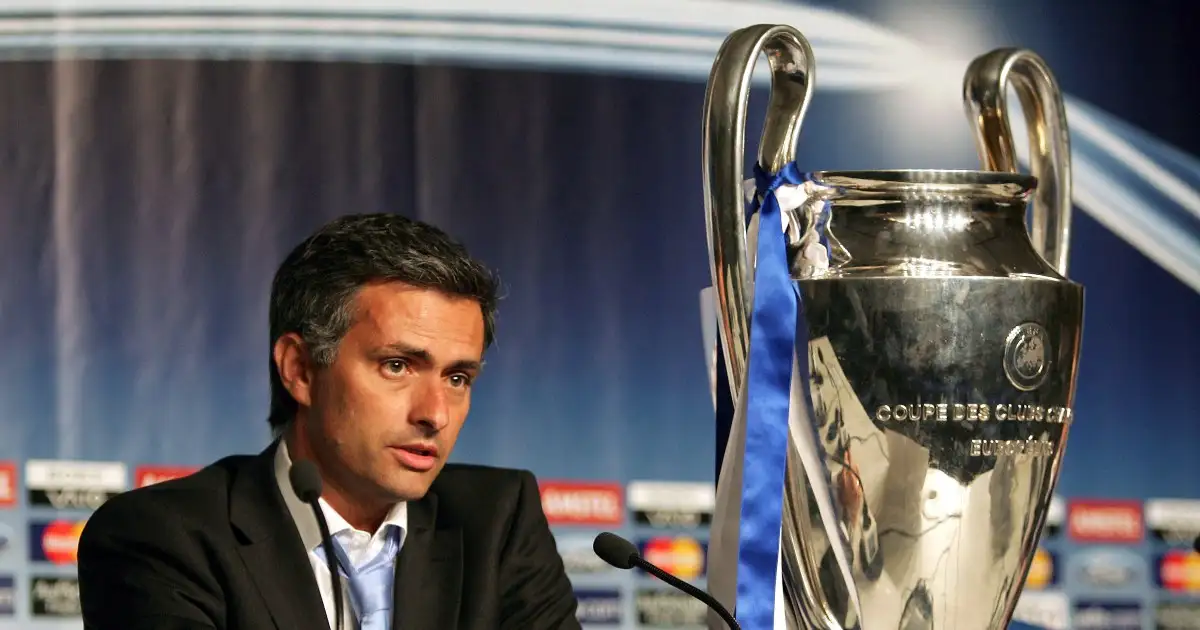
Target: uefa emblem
1027, 356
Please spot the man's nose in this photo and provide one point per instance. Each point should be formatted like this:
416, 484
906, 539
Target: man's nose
430, 407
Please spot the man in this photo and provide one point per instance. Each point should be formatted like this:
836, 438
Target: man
378, 329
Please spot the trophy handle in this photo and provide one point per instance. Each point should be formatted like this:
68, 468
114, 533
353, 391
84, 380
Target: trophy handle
792, 68
985, 91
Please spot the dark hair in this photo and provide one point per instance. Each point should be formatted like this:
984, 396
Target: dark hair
314, 289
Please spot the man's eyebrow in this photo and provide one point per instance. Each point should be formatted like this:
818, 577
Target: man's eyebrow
467, 365
423, 355
407, 350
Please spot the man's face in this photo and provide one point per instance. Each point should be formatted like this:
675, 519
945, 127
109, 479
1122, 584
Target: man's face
385, 415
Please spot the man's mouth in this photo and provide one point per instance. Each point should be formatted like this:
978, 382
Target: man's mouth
420, 457
426, 450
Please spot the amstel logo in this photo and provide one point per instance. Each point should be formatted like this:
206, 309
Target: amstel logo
681, 556
149, 475
1105, 521
1041, 570
582, 503
1179, 571
8, 484
60, 541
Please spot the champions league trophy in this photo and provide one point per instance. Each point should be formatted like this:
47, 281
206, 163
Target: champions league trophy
902, 352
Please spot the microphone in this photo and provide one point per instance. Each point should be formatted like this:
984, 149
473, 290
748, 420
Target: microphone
621, 554
306, 482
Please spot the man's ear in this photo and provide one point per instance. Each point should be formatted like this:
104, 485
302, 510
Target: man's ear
295, 367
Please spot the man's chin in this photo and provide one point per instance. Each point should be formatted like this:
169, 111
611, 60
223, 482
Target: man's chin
409, 486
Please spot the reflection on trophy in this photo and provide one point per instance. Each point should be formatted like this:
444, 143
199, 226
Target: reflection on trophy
927, 421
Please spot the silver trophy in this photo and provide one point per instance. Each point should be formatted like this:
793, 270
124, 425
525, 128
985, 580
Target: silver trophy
943, 347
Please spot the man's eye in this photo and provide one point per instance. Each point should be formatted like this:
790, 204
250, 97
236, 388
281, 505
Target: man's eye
395, 366
460, 380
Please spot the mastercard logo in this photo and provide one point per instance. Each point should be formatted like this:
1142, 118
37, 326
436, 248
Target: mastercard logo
60, 541
1180, 571
1041, 570
681, 557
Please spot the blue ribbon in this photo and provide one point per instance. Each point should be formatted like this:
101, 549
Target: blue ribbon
774, 325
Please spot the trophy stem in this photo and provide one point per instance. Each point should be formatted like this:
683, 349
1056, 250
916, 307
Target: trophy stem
725, 103
985, 90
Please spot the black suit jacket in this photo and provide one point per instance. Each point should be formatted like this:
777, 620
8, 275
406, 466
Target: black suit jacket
219, 550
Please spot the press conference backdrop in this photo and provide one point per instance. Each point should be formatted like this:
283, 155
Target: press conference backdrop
155, 167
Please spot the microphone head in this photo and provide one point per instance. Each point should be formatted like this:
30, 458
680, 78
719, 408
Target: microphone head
306, 480
615, 550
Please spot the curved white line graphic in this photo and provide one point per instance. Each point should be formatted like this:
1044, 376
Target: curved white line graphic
1114, 164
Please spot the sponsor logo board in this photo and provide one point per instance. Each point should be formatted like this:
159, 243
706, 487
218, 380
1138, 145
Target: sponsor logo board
1043, 570
56, 542
1107, 569
8, 595
1177, 616
577, 555
1111, 522
149, 475
681, 556
598, 606
671, 503
73, 485
7, 538
8, 484
1173, 521
1179, 571
56, 596
1054, 518
1048, 610
1098, 615
582, 503
668, 609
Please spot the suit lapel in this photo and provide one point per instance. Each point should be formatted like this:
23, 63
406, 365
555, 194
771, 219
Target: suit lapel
272, 550
428, 583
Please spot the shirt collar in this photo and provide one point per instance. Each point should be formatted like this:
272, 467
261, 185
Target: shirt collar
306, 522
